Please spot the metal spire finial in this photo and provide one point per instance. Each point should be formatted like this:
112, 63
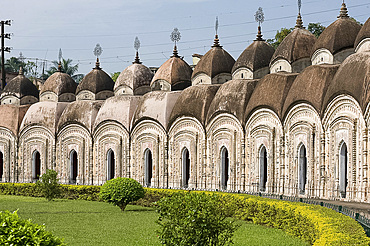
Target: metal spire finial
260, 18
60, 66
299, 22
175, 37
21, 71
343, 11
299, 6
216, 40
137, 47
60, 54
97, 52
216, 25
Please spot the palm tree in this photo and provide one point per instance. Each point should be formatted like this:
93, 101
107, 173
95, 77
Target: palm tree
67, 67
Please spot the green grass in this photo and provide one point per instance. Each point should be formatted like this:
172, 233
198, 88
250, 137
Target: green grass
95, 223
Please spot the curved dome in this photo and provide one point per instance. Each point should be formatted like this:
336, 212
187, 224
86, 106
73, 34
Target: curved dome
310, 86
232, 97
80, 112
119, 108
214, 62
271, 92
156, 105
59, 83
352, 78
364, 33
175, 71
137, 77
12, 116
96, 81
20, 87
44, 114
194, 102
256, 56
295, 46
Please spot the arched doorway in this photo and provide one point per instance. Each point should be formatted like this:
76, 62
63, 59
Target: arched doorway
73, 166
185, 168
263, 168
36, 165
224, 168
343, 163
148, 159
110, 164
302, 169
1, 166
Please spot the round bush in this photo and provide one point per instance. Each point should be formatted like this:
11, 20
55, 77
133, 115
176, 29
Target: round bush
17, 231
121, 191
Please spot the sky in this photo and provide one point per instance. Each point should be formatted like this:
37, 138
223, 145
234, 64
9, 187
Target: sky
41, 27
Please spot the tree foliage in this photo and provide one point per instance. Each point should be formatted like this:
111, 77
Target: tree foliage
67, 67
115, 76
121, 191
48, 185
316, 28
13, 64
279, 37
194, 218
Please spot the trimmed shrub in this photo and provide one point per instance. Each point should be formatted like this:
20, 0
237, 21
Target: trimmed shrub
121, 191
16, 231
193, 218
48, 185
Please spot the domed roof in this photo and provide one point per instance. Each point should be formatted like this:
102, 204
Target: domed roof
271, 92
134, 76
20, 86
175, 70
215, 61
80, 112
156, 105
352, 78
295, 46
339, 35
232, 97
44, 114
256, 56
11, 116
194, 101
310, 86
119, 108
96, 81
59, 83
363, 33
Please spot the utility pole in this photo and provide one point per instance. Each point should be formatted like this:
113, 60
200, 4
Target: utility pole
3, 49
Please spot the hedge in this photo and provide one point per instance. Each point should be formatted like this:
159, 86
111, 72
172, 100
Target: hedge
312, 223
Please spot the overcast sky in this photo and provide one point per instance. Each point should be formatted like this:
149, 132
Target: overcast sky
41, 27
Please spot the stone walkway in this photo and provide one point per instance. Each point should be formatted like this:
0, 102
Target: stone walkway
360, 207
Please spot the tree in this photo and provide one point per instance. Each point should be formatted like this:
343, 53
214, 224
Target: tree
48, 185
121, 191
280, 35
115, 76
67, 68
193, 218
316, 28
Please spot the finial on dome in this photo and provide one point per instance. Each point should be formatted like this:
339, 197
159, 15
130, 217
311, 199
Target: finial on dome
60, 66
20, 71
343, 11
260, 18
137, 47
299, 22
216, 42
60, 56
97, 52
175, 37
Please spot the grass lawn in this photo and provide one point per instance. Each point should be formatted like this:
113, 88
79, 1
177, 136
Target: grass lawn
95, 223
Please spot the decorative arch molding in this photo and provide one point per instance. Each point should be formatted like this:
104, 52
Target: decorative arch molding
111, 165
186, 132
8, 147
263, 168
225, 130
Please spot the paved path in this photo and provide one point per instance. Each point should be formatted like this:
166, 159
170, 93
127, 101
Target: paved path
360, 207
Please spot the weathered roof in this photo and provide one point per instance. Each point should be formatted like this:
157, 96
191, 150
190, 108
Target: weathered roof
352, 78
156, 105
45, 114
339, 35
11, 116
119, 108
271, 92
96, 81
256, 56
310, 86
363, 33
232, 97
214, 62
59, 83
174, 70
134, 76
20, 86
295, 46
80, 112
194, 101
